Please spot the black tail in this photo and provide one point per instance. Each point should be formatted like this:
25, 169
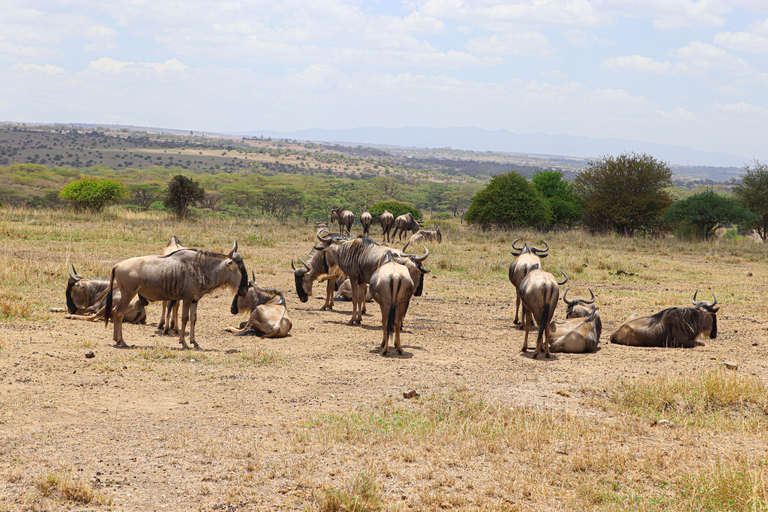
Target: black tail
108, 312
392, 309
544, 321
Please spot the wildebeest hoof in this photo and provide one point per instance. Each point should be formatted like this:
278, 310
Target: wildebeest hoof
400, 352
384, 353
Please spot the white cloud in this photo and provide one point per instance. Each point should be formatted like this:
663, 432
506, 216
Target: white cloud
742, 42
670, 14
678, 114
640, 64
108, 65
47, 69
741, 110
512, 43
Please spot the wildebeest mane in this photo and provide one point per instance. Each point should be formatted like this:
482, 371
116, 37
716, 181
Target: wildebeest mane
679, 325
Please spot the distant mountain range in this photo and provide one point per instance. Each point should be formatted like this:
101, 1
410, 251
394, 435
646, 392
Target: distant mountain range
478, 139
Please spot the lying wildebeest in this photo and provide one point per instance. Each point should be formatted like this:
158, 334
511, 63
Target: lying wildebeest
306, 275
165, 322
187, 275
344, 217
344, 293
539, 292
576, 334
366, 219
404, 223
425, 235
87, 299
578, 308
671, 327
359, 258
268, 314
392, 287
527, 257
387, 220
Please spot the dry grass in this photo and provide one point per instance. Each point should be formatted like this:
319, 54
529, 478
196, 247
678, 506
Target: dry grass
56, 491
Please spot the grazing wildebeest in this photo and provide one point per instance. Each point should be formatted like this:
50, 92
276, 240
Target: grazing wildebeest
425, 235
404, 223
87, 299
268, 314
165, 322
186, 275
307, 274
576, 334
344, 293
359, 258
366, 219
578, 308
671, 327
344, 217
392, 287
539, 292
387, 220
527, 257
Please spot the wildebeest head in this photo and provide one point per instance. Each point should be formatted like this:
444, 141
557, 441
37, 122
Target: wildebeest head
709, 326
417, 261
74, 279
541, 253
303, 281
82, 292
577, 307
236, 261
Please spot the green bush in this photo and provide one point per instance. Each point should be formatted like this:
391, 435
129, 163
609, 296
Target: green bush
706, 212
92, 194
509, 201
561, 196
442, 216
396, 208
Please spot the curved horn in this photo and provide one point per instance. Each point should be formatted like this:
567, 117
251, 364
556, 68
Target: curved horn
304, 263
422, 258
71, 276
292, 265
326, 240
516, 247
253, 277
715, 297
536, 250
565, 298
233, 251
694, 297
564, 280
592, 300
592, 314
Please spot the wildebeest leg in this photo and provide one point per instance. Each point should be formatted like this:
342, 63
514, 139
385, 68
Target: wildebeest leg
125, 300
329, 289
385, 338
398, 326
161, 325
184, 319
517, 308
192, 320
355, 288
527, 322
364, 293
175, 322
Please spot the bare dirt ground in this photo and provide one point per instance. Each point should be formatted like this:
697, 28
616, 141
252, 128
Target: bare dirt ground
153, 427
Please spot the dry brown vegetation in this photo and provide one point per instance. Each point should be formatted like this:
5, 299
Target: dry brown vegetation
317, 421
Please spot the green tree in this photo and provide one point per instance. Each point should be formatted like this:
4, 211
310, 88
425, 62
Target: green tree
92, 194
625, 193
509, 201
752, 192
182, 193
280, 200
143, 195
561, 196
707, 212
396, 208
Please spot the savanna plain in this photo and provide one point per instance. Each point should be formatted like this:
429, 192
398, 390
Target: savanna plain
318, 421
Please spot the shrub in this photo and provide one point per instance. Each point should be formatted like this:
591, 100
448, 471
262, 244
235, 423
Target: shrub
182, 193
92, 194
707, 212
561, 196
509, 201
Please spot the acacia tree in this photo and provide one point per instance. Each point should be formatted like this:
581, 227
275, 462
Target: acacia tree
752, 192
508, 201
707, 212
561, 196
625, 193
181, 193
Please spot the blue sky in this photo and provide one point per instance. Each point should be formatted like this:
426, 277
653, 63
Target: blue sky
683, 72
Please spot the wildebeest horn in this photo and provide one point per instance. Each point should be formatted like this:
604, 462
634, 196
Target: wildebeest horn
706, 304
592, 300
292, 265
564, 280
516, 247
565, 298
253, 276
233, 251
304, 262
71, 270
536, 250
328, 239
422, 258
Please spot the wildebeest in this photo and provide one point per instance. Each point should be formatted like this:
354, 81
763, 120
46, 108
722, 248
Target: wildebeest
425, 235
539, 292
576, 334
344, 217
307, 274
392, 287
387, 220
186, 274
527, 257
344, 293
578, 308
671, 327
165, 322
87, 299
366, 219
268, 314
404, 223
359, 258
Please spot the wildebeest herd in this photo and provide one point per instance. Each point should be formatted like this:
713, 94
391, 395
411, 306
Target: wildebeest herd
360, 269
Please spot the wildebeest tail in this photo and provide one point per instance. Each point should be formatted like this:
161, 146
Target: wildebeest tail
108, 312
392, 307
544, 319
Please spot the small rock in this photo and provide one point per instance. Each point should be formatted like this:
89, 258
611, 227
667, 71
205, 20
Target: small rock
232, 351
90, 354
731, 366
663, 423
749, 274
125, 367
755, 344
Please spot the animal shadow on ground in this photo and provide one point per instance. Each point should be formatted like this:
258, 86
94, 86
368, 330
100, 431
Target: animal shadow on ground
392, 352
541, 356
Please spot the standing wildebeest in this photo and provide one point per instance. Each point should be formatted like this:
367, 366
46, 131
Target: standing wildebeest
165, 322
268, 314
578, 308
392, 287
366, 219
671, 327
539, 292
425, 235
577, 334
344, 217
527, 257
186, 275
87, 299
305, 276
359, 258
404, 223
387, 220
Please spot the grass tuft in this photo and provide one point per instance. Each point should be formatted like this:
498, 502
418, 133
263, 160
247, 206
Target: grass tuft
361, 494
64, 488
